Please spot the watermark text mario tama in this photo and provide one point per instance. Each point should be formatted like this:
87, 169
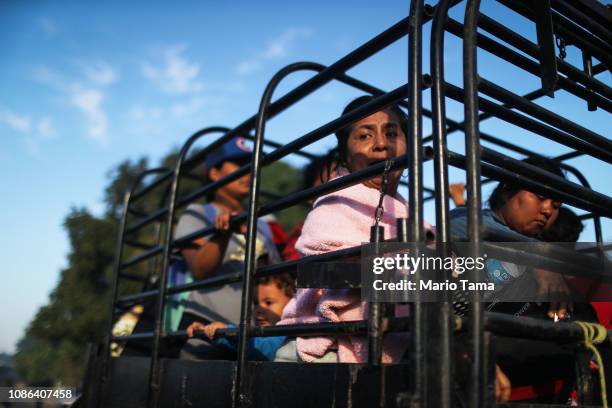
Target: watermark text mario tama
406, 264
400, 272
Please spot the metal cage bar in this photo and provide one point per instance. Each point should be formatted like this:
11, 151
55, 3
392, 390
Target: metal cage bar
434, 385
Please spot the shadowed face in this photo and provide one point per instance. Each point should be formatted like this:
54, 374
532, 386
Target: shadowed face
373, 139
237, 189
529, 213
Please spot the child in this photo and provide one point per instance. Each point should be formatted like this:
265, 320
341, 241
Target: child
221, 253
273, 294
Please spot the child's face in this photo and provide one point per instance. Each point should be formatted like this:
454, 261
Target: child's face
271, 300
239, 188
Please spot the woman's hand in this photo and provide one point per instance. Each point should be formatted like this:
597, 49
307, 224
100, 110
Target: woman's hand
551, 285
502, 385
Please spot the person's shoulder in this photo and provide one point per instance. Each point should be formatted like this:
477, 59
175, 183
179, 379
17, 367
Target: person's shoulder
458, 212
195, 207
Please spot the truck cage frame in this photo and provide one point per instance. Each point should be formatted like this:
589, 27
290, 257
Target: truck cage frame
426, 380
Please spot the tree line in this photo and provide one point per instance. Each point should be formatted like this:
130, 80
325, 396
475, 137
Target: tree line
53, 349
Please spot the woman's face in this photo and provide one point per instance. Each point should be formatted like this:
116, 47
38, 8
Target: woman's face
529, 213
373, 139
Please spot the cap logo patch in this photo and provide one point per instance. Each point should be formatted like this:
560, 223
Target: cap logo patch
241, 144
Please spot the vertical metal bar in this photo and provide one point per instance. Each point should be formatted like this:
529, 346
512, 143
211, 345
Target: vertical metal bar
548, 58
375, 309
478, 370
240, 397
154, 262
415, 184
438, 325
587, 63
106, 371
154, 373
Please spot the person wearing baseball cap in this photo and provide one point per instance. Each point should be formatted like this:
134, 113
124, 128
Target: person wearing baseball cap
222, 252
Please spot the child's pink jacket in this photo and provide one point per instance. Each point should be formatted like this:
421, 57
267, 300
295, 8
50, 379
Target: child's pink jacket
342, 220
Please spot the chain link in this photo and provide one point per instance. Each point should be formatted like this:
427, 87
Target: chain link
383, 191
561, 46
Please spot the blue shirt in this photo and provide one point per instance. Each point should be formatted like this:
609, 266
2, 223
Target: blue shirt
260, 348
498, 272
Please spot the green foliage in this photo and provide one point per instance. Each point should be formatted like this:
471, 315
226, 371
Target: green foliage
281, 179
53, 348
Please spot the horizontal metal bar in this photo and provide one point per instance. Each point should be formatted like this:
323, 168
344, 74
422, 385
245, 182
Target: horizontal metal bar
498, 323
137, 244
337, 184
353, 58
537, 329
156, 216
532, 67
510, 146
294, 198
453, 126
155, 183
558, 259
587, 216
516, 40
585, 21
529, 170
303, 330
135, 336
569, 31
599, 68
133, 277
500, 174
389, 98
278, 268
532, 125
379, 102
503, 95
569, 155
139, 258
276, 145
137, 213
202, 284
595, 9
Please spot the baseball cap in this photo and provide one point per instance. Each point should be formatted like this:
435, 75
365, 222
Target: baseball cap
235, 149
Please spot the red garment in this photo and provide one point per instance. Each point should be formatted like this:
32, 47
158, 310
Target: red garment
593, 289
604, 313
279, 236
534, 392
289, 252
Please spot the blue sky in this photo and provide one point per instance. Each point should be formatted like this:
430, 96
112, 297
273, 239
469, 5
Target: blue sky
86, 85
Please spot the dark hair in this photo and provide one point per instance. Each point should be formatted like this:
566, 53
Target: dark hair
342, 134
284, 281
566, 228
318, 167
504, 191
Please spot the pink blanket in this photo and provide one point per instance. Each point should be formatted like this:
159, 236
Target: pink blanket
337, 221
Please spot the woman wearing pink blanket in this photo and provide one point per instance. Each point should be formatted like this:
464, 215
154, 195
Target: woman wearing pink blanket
343, 220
